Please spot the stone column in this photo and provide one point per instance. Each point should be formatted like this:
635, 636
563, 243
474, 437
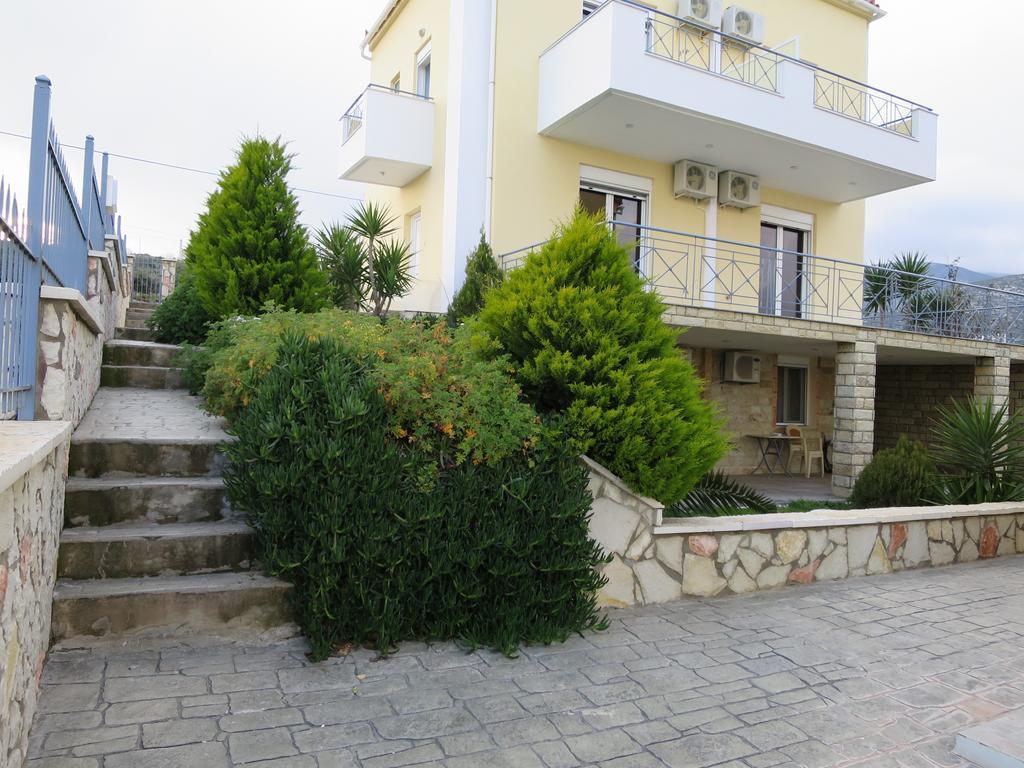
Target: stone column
992, 379
854, 441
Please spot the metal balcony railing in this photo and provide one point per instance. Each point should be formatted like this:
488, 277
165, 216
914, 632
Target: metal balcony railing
694, 271
689, 43
352, 120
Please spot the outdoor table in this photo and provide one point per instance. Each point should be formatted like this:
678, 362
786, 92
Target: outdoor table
772, 449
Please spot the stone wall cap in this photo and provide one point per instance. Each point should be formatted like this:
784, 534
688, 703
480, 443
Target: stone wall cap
108, 269
23, 444
79, 305
828, 518
611, 477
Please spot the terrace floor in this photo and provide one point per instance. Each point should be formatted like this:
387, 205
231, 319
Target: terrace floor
877, 671
783, 489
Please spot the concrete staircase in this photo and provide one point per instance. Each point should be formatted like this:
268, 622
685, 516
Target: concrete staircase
149, 542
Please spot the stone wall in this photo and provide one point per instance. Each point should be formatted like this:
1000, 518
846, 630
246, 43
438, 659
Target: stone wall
1016, 388
69, 357
907, 399
102, 292
751, 408
33, 469
656, 559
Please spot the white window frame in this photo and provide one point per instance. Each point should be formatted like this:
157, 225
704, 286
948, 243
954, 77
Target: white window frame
616, 182
396, 82
415, 242
799, 363
423, 57
777, 216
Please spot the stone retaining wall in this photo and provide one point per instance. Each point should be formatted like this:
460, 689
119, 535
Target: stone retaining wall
33, 469
656, 559
70, 355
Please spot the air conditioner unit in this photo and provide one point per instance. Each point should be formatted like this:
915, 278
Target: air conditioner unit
742, 368
707, 13
738, 190
744, 24
695, 180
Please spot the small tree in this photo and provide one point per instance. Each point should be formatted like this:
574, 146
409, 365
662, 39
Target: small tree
482, 274
181, 317
249, 248
589, 347
344, 264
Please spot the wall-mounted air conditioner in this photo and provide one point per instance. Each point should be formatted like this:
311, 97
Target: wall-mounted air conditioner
705, 12
742, 368
744, 24
738, 190
695, 180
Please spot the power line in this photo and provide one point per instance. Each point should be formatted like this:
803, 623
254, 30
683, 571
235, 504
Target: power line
177, 167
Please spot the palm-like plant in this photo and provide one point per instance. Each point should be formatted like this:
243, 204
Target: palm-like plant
342, 258
718, 494
979, 448
390, 274
367, 266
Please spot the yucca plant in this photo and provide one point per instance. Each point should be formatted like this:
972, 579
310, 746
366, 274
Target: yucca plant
343, 260
390, 274
717, 494
979, 448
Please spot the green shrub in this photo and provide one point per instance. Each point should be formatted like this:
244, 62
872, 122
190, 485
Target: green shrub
903, 476
588, 343
249, 247
482, 274
181, 317
493, 553
443, 398
980, 452
716, 494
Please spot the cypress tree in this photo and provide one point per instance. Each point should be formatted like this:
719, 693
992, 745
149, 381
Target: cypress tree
249, 247
589, 347
482, 274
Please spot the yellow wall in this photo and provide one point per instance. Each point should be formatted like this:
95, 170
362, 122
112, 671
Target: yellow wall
395, 52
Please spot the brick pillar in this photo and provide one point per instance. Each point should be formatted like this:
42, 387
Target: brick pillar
854, 441
992, 379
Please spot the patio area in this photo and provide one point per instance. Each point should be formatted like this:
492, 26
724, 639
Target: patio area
874, 671
784, 489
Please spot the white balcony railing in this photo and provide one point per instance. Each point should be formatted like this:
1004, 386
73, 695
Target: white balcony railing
694, 271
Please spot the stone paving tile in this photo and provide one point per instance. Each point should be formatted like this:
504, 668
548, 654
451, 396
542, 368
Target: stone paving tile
879, 672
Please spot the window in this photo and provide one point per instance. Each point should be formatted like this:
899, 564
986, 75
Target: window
785, 241
589, 6
415, 222
792, 403
423, 72
396, 83
622, 198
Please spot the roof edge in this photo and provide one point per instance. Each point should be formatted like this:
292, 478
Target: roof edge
866, 9
388, 12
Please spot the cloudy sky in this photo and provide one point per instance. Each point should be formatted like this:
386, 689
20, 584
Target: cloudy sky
181, 82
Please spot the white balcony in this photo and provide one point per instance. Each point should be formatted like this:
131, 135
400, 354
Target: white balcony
387, 137
638, 82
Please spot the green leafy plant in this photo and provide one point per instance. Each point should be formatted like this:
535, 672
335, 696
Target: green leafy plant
493, 554
903, 476
717, 494
482, 274
181, 317
249, 247
344, 262
388, 260
588, 345
979, 449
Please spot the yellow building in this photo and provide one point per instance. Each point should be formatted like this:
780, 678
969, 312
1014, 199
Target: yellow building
731, 145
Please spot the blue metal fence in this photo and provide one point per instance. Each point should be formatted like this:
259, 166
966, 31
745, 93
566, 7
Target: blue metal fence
46, 243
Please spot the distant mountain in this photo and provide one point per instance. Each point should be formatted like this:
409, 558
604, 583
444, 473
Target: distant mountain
1005, 283
964, 275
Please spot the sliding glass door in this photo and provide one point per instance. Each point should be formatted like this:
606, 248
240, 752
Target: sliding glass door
781, 278
627, 211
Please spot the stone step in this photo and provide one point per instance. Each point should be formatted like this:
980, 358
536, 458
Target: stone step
143, 305
135, 334
98, 501
174, 549
141, 377
121, 352
208, 603
145, 457
998, 743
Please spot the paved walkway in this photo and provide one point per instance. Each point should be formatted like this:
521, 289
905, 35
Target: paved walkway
879, 671
783, 489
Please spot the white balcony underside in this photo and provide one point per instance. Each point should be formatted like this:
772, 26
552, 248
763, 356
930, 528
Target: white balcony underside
684, 112
393, 143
